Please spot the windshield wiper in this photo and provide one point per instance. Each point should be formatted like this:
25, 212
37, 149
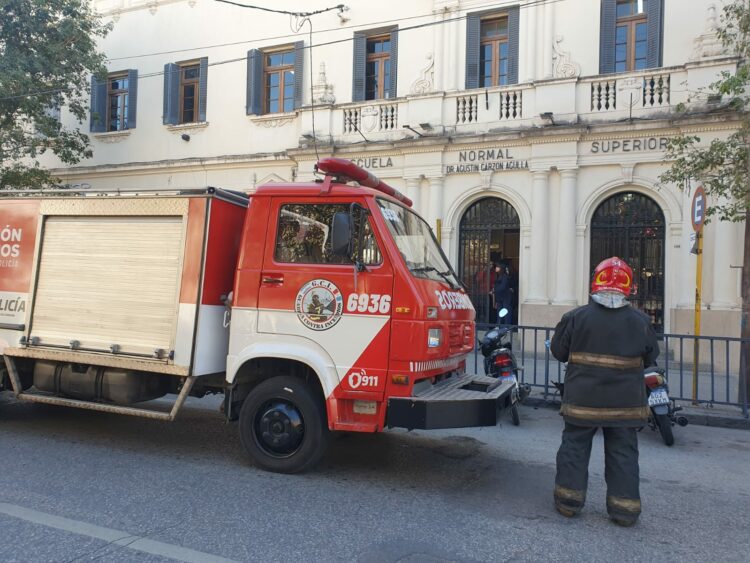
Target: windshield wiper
444, 275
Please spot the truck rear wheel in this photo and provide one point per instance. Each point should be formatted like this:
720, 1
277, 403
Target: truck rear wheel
283, 425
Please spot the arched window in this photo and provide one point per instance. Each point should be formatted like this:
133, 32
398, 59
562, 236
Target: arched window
489, 232
631, 225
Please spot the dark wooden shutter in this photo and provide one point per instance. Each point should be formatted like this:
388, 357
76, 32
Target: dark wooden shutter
254, 96
607, 36
655, 25
203, 88
98, 108
358, 72
513, 42
132, 98
171, 94
392, 93
299, 69
473, 25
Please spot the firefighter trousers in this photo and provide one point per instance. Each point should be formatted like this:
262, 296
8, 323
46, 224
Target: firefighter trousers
620, 471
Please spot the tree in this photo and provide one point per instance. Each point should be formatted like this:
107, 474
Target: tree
47, 52
723, 167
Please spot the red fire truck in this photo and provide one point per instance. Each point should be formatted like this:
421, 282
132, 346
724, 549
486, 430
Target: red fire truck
311, 307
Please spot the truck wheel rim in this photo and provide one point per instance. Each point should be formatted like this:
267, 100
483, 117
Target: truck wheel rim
279, 428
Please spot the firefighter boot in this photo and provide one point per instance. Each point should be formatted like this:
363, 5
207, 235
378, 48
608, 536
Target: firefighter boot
573, 469
621, 474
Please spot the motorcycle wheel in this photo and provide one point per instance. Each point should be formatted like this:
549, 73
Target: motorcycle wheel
665, 428
515, 416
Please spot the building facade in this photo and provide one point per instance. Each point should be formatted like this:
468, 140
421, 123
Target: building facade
529, 133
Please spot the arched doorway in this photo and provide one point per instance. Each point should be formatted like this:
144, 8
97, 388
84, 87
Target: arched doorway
631, 225
489, 232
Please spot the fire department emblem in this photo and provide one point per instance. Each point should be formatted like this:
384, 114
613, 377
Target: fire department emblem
319, 304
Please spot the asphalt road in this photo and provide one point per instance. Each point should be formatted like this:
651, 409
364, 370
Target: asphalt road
85, 486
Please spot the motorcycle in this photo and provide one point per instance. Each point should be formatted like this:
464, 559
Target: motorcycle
663, 409
501, 363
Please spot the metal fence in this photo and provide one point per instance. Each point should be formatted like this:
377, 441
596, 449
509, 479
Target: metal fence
716, 381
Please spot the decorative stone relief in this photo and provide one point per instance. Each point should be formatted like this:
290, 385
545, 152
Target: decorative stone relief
113, 137
424, 84
562, 66
627, 173
116, 16
486, 178
322, 90
370, 116
708, 44
152, 7
273, 120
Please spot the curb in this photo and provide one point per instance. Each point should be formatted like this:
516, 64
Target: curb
694, 416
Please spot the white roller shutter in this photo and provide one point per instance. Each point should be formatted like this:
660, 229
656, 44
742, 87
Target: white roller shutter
109, 280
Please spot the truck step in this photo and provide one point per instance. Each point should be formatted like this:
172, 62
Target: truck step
460, 402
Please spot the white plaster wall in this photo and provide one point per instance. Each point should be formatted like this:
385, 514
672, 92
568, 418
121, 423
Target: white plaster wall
238, 152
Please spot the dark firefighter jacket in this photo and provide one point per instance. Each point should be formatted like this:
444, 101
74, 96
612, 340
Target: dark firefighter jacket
606, 350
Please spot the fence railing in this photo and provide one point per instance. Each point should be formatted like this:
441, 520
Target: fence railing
716, 381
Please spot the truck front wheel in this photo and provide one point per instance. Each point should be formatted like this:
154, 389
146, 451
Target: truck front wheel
283, 425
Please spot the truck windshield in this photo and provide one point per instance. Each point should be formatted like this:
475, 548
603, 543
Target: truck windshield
417, 244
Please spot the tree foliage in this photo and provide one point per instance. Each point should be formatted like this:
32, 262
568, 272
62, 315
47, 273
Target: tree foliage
722, 165
47, 52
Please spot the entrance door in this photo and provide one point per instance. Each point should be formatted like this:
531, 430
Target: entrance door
631, 225
489, 233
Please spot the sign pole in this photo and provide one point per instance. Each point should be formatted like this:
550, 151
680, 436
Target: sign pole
698, 216
698, 292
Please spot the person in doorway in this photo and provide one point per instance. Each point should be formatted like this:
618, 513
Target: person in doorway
503, 294
606, 344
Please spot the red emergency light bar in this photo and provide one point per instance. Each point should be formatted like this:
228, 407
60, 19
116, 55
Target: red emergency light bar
347, 170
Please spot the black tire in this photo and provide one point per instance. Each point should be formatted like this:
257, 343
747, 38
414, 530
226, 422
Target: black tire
515, 416
665, 428
283, 425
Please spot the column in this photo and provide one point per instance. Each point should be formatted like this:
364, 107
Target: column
566, 239
528, 15
539, 226
413, 186
724, 276
549, 30
435, 204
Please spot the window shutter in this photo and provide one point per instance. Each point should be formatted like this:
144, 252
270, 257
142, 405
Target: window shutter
607, 36
358, 73
299, 69
513, 41
393, 92
472, 51
132, 98
171, 94
655, 25
98, 108
203, 87
254, 82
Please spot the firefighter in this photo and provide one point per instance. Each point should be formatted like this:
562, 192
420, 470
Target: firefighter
606, 344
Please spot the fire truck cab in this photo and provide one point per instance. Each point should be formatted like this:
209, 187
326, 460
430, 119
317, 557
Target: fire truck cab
313, 307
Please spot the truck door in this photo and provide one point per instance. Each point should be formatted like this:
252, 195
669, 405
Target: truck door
308, 293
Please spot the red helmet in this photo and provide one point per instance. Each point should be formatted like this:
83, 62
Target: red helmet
612, 274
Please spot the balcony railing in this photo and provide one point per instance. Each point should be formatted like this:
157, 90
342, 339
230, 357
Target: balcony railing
381, 117
633, 94
636, 91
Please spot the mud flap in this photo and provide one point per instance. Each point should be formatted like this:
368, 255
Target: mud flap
458, 402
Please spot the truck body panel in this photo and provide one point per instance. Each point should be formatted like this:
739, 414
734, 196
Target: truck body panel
123, 277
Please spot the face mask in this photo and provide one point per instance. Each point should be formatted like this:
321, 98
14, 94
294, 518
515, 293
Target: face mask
610, 299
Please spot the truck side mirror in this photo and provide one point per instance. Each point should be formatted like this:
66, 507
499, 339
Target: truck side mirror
342, 233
